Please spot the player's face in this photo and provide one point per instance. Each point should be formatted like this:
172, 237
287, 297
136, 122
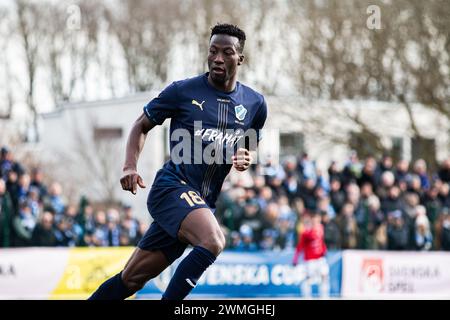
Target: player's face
223, 57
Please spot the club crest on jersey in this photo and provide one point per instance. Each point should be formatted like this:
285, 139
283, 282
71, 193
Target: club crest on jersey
240, 112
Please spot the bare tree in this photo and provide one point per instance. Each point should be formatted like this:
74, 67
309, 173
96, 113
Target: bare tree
146, 33
5, 30
98, 158
30, 31
404, 61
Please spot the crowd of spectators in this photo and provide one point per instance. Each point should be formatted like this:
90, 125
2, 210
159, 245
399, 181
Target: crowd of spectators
364, 204
35, 214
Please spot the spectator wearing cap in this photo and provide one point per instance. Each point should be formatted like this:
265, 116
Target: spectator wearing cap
397, 231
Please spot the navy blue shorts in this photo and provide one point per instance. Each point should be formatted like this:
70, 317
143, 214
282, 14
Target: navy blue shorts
169, 205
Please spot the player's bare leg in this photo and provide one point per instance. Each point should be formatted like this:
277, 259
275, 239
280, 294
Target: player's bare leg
142, 266
201, 230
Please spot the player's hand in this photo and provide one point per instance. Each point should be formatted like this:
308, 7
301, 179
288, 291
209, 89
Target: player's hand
130, 180
242, 159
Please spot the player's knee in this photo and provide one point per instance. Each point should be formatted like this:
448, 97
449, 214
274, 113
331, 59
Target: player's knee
215, 244
134, 283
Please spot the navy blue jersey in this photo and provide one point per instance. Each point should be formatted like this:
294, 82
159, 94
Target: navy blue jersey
223, 119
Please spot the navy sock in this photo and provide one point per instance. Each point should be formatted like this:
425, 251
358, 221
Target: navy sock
112, 289
188, 273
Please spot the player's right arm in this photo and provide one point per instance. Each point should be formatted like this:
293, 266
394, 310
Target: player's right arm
135, 143
155, 112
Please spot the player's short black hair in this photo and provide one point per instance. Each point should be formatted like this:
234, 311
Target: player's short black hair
231, 30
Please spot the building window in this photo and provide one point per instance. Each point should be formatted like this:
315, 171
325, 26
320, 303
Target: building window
397, 148
424, 148
291, 144
366, 144
107, 133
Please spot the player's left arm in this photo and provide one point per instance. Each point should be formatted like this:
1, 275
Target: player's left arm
244, 157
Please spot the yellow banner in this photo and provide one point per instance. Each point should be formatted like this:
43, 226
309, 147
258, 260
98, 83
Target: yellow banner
87, 268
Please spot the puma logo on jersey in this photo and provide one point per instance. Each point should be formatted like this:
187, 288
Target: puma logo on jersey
200, 105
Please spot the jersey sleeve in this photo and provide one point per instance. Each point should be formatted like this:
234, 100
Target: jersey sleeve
258, 124
260, 119
163, 106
